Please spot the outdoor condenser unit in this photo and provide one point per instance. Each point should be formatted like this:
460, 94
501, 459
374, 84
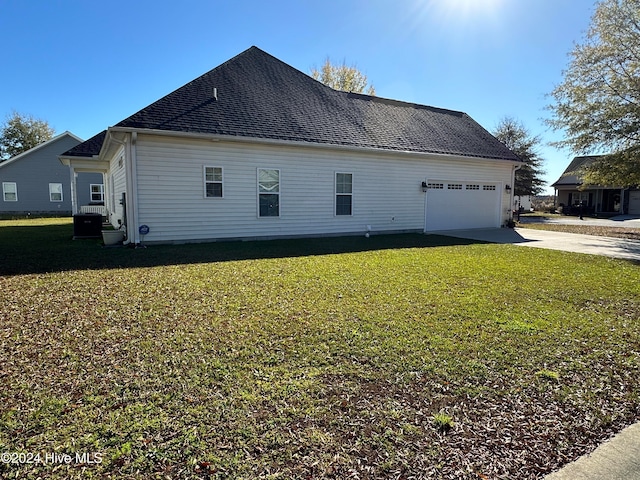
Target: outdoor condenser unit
87, 225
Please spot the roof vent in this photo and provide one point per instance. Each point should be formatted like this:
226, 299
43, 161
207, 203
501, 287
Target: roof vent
215, 94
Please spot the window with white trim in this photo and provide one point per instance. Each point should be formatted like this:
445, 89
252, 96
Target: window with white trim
55, 192
344, 193
580, 198
454, 186
10, 191
213, 182
473, 187
268, 192
97, 192
435, 186
488, 187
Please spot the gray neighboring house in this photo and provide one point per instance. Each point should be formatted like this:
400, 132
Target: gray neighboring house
36, 182
575, 198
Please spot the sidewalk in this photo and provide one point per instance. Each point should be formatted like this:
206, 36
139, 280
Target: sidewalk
616, 459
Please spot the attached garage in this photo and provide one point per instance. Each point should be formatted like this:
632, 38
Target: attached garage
193, 164
457, 205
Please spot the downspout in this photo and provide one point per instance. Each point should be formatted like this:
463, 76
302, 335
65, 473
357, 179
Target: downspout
512, 195
105, 195
133, 235
74, 191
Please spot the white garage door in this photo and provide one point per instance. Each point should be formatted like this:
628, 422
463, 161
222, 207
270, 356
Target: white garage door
457, 205
634, 202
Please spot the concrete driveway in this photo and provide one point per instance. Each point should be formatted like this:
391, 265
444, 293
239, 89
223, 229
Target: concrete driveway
624, 221
568, 242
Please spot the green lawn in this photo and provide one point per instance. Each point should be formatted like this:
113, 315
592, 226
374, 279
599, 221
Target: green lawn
386, 357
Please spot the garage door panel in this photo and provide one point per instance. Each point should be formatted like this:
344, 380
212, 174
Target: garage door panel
456, 205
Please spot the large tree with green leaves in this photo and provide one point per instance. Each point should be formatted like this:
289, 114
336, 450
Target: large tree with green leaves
20, 133
343, 77
520, 141
598, 103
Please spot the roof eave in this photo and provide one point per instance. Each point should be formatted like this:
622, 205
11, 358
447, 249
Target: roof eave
84, 164
38, 147
214, 137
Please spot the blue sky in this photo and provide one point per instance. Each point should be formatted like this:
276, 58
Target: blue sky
85, 65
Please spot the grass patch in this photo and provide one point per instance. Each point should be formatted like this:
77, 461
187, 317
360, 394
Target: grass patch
317, 358
548, 375
443, 422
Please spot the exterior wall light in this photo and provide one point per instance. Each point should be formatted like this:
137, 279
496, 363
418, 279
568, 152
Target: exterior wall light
424, 186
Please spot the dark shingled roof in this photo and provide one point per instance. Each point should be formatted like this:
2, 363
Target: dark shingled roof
260, 96
572, 174
88, 148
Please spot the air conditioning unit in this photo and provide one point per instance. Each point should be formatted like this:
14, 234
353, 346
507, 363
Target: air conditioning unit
87, 225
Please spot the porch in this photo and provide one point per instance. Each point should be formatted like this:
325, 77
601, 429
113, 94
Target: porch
596, 201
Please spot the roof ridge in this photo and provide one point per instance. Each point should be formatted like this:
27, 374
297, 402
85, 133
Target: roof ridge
392, 101
40, 146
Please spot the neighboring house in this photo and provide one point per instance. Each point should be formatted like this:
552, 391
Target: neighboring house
35, 181
257, 149
593, 199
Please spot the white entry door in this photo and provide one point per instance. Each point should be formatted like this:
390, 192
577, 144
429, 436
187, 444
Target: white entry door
459, 205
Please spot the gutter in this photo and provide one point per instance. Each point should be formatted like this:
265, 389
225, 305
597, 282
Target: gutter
214, 137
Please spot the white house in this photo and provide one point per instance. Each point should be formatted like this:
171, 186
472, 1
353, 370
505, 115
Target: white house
257, 149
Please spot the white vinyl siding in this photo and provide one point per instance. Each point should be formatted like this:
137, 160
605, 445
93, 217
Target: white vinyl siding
388, 188
117, 186
10, 191
55, 192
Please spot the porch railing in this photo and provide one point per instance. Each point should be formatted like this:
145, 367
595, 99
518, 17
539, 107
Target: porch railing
101, 209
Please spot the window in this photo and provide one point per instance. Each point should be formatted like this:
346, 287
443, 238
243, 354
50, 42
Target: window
213, 182
581, 198
473, 187
10, 191
268, 192
344, 193
454, 186
97, 192
488, 187
55, 192
435, 186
